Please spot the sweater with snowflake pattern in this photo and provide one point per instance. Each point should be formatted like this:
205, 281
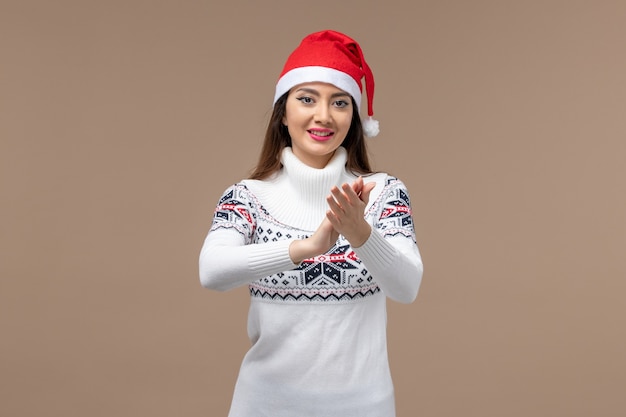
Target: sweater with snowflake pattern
318, 329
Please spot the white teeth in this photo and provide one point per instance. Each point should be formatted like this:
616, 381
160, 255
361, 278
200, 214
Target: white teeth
321, 133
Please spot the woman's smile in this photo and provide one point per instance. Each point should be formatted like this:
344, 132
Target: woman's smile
321, 134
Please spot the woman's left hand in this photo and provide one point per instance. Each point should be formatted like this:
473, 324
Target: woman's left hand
347, 209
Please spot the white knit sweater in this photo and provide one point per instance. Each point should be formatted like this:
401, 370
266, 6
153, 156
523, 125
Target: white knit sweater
318, 329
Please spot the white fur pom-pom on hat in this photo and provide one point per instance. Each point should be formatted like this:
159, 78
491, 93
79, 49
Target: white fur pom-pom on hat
335, 58
371, 127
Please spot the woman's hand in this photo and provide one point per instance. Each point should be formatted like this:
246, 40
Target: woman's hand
318, 243
347, 210
346, 216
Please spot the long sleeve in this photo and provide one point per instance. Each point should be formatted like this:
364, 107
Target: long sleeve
391, 253
228, 257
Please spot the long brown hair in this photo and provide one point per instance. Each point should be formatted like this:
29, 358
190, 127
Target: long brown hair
277, 138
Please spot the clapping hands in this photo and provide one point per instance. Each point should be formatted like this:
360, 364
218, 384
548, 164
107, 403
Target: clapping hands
347, 208
345, 216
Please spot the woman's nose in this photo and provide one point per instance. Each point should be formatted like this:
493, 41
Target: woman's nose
322, 114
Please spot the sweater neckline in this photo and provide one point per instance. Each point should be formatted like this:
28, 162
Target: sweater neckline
313, 182
296, 195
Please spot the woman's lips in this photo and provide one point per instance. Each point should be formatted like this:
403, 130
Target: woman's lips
321, 134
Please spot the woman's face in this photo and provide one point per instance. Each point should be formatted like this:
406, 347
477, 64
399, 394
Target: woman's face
318, 118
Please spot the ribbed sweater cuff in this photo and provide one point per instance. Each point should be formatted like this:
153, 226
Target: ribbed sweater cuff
270, 258
376, 250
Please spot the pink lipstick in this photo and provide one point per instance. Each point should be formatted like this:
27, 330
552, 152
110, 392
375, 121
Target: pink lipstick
321, 134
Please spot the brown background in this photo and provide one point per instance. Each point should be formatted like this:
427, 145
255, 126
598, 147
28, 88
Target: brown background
121, 122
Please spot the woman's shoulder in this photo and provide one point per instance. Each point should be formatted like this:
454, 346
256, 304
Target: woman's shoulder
235, 192
260, 187
384, 181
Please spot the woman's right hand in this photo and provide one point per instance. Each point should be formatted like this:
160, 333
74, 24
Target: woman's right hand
318, 243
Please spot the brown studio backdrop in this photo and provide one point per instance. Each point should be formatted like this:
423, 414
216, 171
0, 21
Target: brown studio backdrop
121, 123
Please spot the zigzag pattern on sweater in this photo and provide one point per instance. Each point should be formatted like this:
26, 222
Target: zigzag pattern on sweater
305, 294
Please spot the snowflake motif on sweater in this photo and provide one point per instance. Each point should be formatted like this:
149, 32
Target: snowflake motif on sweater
336, 276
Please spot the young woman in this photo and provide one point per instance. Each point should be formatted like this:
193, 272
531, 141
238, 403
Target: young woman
319, 246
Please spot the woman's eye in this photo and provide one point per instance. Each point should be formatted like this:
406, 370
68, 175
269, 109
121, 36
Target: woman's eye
341, 103
305, 100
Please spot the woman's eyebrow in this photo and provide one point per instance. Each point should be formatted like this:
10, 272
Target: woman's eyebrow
308, 90
316, 93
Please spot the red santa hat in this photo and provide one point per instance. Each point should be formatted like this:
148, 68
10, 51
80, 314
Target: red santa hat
331, 57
